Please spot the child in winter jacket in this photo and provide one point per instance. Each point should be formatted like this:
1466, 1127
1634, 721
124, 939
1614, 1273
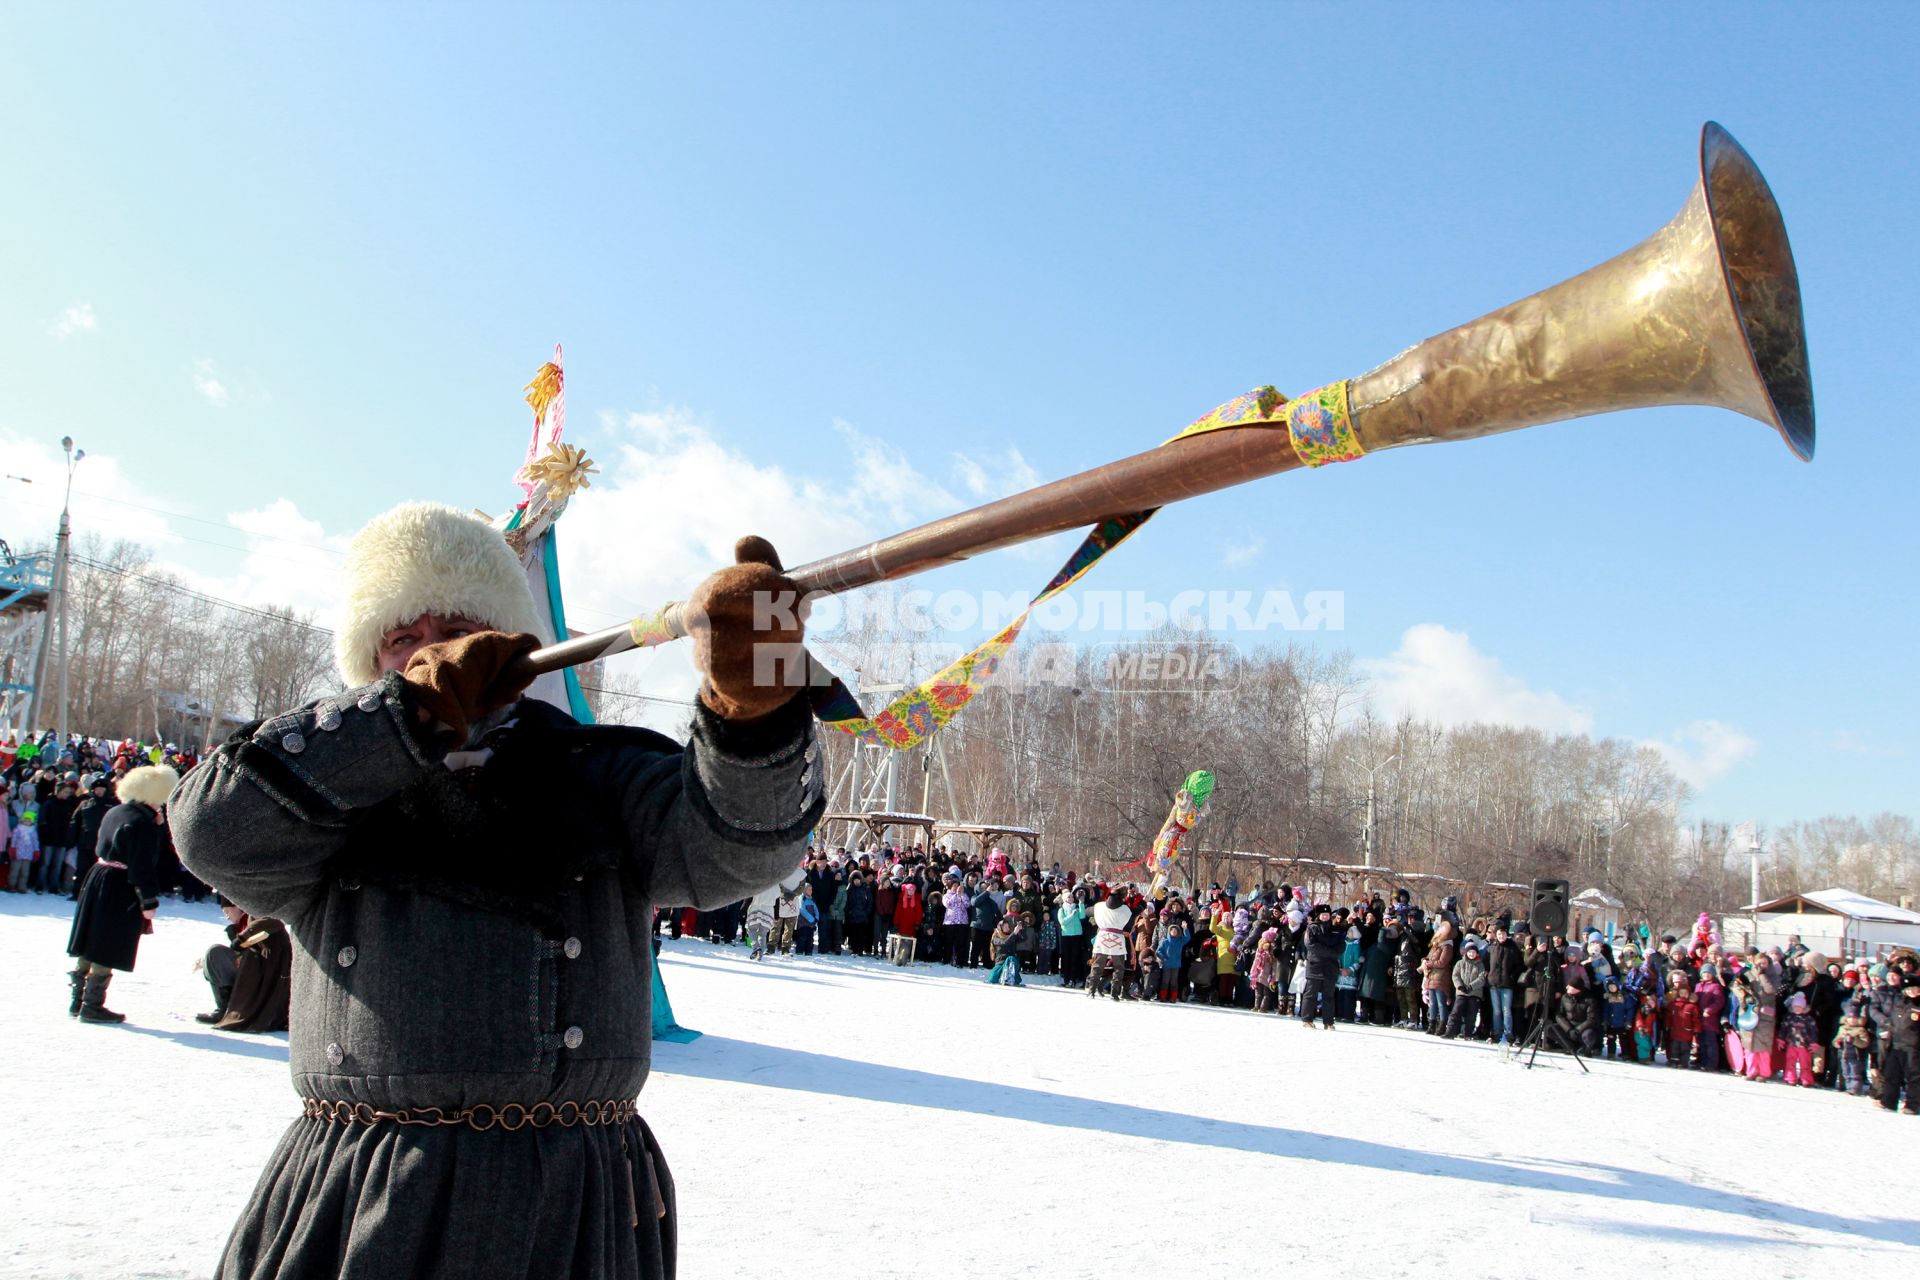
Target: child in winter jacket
1265, 972
809, 922
1171, 950
1049, 942
1616, 1021
26, 849
1470, 988
1852, 1042
1646, 1028
1682, 1022
1802, 1035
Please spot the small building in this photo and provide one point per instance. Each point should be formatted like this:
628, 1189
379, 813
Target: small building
1593, 909
1835, 922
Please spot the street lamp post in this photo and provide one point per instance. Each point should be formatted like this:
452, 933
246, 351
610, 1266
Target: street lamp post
61, 576
1370, 772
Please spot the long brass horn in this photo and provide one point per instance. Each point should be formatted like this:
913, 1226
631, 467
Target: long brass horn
1704, 311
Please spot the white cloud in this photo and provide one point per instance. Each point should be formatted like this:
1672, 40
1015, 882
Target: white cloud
1238, 554
883, 479
1436, 674
78, 318
667, 507
995, 476
1704, 751
211, 388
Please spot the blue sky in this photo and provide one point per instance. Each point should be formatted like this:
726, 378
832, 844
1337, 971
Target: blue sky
279, 270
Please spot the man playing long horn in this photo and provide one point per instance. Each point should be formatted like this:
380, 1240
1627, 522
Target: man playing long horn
469, 877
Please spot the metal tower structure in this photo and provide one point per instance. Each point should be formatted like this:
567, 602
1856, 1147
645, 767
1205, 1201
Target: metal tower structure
26, 582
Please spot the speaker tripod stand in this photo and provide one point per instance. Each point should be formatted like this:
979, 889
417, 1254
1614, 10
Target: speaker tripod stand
1530, 1046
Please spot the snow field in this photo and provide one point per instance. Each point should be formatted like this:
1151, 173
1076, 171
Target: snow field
842, 1117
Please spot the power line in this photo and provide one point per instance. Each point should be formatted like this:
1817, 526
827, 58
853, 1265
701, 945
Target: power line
217, 524
288, 618
209, 542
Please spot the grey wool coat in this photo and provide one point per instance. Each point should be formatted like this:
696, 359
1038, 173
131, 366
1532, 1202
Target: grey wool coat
479, 935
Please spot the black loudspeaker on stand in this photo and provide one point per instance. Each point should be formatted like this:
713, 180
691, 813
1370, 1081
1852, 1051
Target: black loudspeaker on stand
1549, 915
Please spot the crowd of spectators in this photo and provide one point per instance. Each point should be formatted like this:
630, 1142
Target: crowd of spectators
1785, 1013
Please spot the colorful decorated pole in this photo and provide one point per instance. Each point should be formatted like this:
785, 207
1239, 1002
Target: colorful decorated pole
1188, 804
549, 475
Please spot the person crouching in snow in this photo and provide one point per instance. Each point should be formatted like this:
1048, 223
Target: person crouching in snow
122, 890
1003, 944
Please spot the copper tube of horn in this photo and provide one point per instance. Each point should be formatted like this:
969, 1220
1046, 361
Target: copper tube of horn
1704, 311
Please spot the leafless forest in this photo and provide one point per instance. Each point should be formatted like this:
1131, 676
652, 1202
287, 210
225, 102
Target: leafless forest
1093, 764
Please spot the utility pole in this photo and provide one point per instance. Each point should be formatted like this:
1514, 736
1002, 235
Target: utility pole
1370, 772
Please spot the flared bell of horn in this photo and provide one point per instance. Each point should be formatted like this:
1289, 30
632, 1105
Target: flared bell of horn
1704, 311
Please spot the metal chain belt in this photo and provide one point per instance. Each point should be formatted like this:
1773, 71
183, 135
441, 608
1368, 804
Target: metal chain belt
482, 1117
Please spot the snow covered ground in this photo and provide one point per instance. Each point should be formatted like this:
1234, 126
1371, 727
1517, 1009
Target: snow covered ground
845, 1118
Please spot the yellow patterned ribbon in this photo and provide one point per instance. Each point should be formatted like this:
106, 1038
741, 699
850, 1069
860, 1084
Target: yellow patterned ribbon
1319, 424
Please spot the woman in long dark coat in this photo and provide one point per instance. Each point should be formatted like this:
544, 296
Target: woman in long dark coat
121, 892
1376, 975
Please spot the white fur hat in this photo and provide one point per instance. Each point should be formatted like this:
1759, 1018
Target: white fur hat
150, 784
425, 557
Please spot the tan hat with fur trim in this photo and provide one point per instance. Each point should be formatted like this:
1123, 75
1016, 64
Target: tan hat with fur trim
150, 784
426, 557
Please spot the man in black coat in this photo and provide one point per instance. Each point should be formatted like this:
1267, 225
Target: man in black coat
87, 827
1325, 942
121, 893
1900, 1061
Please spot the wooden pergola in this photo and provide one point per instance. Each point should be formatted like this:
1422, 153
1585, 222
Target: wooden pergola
988, 834
876, 825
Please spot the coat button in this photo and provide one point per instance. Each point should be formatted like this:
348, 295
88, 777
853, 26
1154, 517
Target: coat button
329, 718
349, 885
571, 948
336, 1055
573, 1037
347, 956
369, 703
294, 744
